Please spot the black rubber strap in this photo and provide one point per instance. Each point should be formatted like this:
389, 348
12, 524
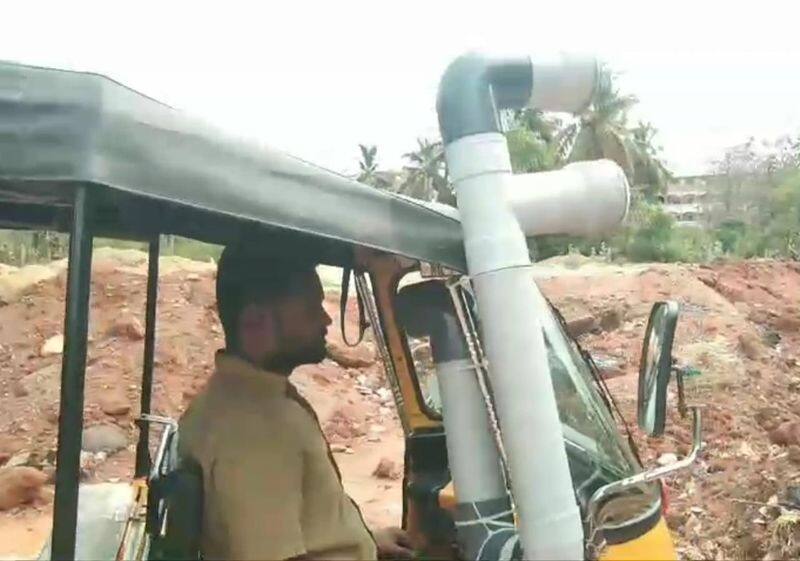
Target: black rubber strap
362, 324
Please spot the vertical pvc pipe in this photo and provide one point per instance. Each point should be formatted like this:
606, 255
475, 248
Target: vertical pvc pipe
497, 259
73, 370
143, 446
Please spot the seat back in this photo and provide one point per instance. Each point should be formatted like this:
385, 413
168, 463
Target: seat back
175, 506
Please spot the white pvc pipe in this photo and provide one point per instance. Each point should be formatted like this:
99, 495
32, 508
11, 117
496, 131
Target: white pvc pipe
474, 459
562, 82
583, 198
497, 260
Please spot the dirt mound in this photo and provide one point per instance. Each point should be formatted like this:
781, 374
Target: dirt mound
737, 328
19, 486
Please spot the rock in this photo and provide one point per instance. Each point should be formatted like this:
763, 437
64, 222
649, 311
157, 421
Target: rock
342, 425
768, 418
19, 486
50, 414
4, 457
771, 338
608, 367
127, 326
104, 438
667, 459
794, 454
44, 383
387, 469
114, 405
193, 277
384, 394
786, 434
789, 320
751, 345
87, 464
53, 346
19, 459
708, 278
582, 325
349, 357
9, 445
377, 429
384, 411
19, 389
50, 473
612, 319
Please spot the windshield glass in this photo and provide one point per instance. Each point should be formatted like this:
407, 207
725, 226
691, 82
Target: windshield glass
585, 419
597, 453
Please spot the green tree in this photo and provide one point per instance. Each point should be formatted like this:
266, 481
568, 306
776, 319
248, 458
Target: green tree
368, 167
426, 173
649, 171
601, 130
532, 142
783, 231
738, 168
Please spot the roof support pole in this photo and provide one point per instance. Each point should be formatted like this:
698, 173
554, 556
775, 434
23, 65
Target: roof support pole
143, 446
73, 370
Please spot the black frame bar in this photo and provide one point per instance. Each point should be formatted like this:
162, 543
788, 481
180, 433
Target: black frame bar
143, 446
73, 371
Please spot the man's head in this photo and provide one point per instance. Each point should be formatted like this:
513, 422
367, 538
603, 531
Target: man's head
271, 309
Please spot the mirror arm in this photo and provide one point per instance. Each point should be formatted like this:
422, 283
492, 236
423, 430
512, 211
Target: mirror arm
682, 408
650, 475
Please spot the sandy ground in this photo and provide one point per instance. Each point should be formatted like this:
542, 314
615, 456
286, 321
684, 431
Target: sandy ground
739, 327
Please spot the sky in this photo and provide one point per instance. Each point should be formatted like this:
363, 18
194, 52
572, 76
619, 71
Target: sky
315, 79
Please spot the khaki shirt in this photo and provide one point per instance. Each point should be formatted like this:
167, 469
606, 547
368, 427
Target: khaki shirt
272, 489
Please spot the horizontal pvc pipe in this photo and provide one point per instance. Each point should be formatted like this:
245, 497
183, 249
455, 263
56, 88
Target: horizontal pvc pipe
562, 82
584, 198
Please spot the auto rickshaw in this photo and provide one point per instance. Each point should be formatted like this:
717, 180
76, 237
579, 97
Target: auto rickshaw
82, 154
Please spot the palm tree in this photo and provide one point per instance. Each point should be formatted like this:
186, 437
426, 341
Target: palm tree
368, 168
601, 131
648, 169
532, 141
427, 173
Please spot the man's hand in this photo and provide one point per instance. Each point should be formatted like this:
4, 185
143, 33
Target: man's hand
393, 543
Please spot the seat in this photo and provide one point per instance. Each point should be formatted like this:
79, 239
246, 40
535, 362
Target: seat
175, 507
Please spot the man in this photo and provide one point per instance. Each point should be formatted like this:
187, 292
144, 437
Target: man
271, 487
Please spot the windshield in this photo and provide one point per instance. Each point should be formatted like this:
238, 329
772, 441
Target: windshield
585, 419
597, 453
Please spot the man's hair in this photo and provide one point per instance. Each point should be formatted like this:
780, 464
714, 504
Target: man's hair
246, 275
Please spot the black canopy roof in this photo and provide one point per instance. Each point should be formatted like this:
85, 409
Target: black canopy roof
152, 169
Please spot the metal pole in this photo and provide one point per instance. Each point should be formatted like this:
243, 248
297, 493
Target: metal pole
73, 369
143, 446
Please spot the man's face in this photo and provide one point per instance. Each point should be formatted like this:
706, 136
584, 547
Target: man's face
303, 323
289, 330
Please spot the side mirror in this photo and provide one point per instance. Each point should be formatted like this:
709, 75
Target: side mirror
655, 370
655, 367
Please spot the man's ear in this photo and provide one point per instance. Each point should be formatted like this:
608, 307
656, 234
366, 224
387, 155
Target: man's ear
258, 320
